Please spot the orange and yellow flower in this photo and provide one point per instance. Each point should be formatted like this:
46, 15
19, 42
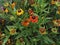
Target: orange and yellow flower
13, 5
58, 11
34, 19
30, 12
58, 3
42, 30
56, 22
6, 10
53, 1
20, 12
26, 22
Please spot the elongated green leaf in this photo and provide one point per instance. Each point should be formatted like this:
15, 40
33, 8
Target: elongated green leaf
6, 39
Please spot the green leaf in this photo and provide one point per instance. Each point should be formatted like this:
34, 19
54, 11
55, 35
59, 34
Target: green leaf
6, 39
10, 27
6, 31
18, 42
18, 36
47, 40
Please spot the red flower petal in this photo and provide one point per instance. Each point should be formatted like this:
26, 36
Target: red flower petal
34, 19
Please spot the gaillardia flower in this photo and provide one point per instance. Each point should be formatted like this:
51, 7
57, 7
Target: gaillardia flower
58, 11
2, 21
58, 3
26, 22
42, 31
6, 4
54, 30
56, 22
53, 1
13, 5
34, 19
12, 31
20, 12
6, 10
30, 12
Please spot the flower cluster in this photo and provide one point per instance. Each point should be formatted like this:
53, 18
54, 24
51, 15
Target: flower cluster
30, 22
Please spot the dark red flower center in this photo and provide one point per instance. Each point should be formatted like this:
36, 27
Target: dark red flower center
19, 10
33, 17
4, 9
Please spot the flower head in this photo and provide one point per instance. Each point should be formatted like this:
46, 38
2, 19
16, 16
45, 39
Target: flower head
6, 4
26, 22
34, 19
12, 31
2, 21
30, 12
54, 30
56, 22
13, 5
58, 11
57, 3
53, 1
20, 12
6, 10
42, 30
